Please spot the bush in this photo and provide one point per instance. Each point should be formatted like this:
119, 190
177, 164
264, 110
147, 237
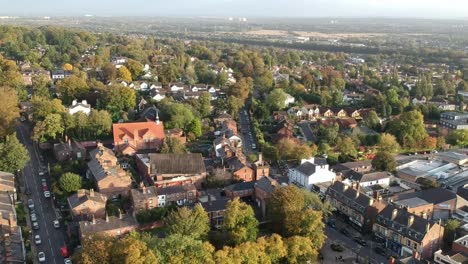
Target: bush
337, 247
152, 215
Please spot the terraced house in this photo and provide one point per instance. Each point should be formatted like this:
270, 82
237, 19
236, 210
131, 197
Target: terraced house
407, 234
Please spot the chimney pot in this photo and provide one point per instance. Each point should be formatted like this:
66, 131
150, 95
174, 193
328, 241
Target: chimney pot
410, 220
394, 213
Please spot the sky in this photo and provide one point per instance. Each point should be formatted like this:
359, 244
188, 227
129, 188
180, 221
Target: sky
447, 9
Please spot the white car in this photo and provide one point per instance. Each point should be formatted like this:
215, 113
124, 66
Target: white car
47, 194
67, 261
35, 225
41, 257
33, 217
41, 173
56, 224
37, 240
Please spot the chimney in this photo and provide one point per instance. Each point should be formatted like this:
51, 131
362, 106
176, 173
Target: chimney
120, 214
428, 227
84, 102
424, 215
260, 158
394, 213
345, 187
91, 192
157, 117
410, 220
93, 220
357, 194
11, 219
107, 218
371, 201
74, 102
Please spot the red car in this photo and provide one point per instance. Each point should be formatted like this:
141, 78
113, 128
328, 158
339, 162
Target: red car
44, 187
64, 252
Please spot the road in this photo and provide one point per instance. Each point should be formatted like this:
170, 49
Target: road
52, 239
248, 136
348, 242
307, 131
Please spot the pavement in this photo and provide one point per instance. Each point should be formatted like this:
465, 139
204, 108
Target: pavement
248, 136
307, 131
52, 239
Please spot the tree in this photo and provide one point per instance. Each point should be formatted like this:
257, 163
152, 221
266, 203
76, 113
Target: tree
234, 104
176, 249
450, 232
188, 222
242, 88
239, 222
328, 134
204, 102
109, 71
173, 145
135, 68
458, 137
43, 107
195, 127
99, 123
270, 153
131, 249
292, 149
70, 182
179, 116
13, 155
50, 128
94, 249
429, 143
372, 120
388, 143
427, 183
124, 74
291, 215
9, 110
118, 99
384, 161
409, 129
72, 87
67, 67
300, 250
276, 100
346, 147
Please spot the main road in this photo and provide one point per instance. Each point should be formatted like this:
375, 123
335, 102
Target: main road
52, 239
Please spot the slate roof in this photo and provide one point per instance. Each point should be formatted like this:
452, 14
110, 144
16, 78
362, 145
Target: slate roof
101, 225
234, 163
434, 195
7, 181
187, 163
352, 165
266, 184
175, 189
367, 177
306, 168
359, 203
241, 186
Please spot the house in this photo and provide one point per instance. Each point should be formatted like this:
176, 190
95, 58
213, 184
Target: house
229, 124
172, 169
60, 74
326, 112
179, 195
361, 209
239, 170
241, 190
119, 60
357, 166
129, 138
283, 129
7, 184
454, 120
407, 234
367, 179
156, 85
27, 78
84, 204
228, 137
175, 87
82, 107
157, 95
219, 119
261, 168
11, 242
460, 245
112, 226
451, 257
150, 113
143, 198
104, 169
436, 203
289, 100
346, 123
455, 157
263, 189
310, 171
214, 204
72, 150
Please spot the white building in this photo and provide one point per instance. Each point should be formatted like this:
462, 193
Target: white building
311, 171
289, 100
157, 95
76, 107
369, 179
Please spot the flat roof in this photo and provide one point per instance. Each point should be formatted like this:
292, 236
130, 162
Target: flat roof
411, 202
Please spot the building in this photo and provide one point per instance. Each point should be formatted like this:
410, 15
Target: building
453, 157
84, 204
262, 192
79, 107
104, 169
261, 168
435, 203
60, 74
454, 120
113, 226
143, 198
450, 257
7, 184
313, 170
177, 195
342, 169
214, 204
241, 189
164, 170
414, 169
359, 208
460, 244
407, 234
370, 178
130, 138
72, 150
239, 169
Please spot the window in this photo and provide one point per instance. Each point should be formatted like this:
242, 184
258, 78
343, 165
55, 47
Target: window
126, 140
408, 243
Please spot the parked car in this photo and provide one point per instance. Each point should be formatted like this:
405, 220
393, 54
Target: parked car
47, 194
56, 224
378, 239
67, 261
360, 241
30, 204
331, 223
337, 247
344, 231
41, 173
41, 257
381, 251
35, 225
37, 240
33, 217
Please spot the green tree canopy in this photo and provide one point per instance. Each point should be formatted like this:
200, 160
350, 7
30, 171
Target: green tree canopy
9, 110
384, 161
173, 145
13, 155
409, 129
72, 87
276, 100
50, 128
388, 143
131, 249
292, 149
70, 182
239, 222
188, 222
458, 137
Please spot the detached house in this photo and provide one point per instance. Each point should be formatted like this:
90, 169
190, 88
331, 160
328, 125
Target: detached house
311, 171
82, 107
104, 169
129, 138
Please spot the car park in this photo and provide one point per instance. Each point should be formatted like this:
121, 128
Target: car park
41, 257
37, 240
35, 225
56, 224
30, 204
47, 194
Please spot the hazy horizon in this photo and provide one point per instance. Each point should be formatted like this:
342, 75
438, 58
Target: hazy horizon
431, 9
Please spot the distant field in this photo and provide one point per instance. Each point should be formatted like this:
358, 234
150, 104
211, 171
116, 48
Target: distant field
280, 33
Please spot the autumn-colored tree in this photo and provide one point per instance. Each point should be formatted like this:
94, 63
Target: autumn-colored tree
94, 249
188, 222
50, 128
177, 248
300, 250
72, 87
388, 143
124, 74
135, 68
239, 222
9, 110
67, 67
430, 143
13, 155
131, 249
384, 161
242, 88
292, 149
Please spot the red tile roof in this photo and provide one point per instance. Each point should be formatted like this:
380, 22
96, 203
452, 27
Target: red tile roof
141, 129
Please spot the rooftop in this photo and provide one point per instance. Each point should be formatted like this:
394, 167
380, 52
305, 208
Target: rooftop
103, 225
187, 163
411, 202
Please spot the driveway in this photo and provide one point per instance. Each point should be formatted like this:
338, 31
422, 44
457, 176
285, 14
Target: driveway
307, 131
52, 239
